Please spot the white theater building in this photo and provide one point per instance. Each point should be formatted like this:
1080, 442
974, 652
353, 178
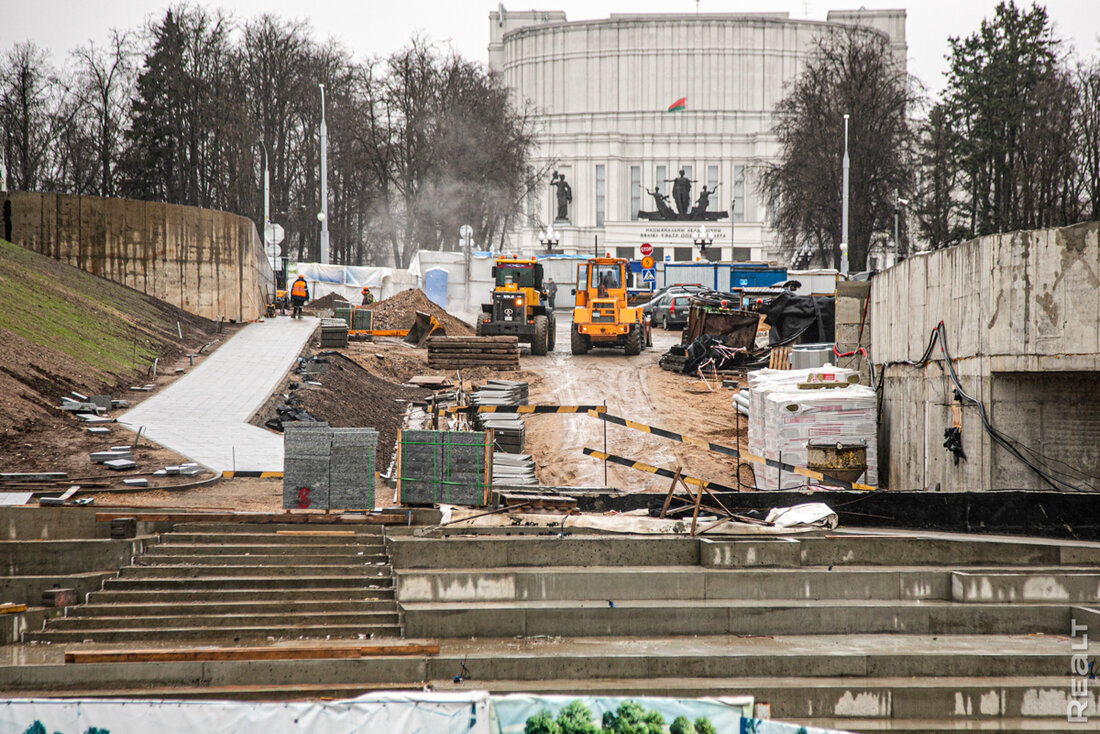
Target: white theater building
601, 89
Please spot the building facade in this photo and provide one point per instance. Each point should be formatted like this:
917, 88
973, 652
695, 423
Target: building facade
601, 91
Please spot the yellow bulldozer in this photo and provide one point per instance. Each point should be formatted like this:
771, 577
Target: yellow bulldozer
601, 317
519, 306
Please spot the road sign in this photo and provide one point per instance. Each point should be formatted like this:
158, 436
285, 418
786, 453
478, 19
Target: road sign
274, 234
647, 263
646, 249
649, 276
668, 258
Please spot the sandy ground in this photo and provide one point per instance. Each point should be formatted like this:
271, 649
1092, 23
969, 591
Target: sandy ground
637, 389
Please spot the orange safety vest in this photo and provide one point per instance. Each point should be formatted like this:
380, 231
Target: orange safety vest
298, 290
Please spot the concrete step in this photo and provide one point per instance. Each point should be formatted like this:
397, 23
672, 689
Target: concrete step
574, 550
639, 618
268, 538
288, 620
268, 692
267, 596
197, 609
186, 571
1030, 585
256, 582
959, 699
632, 582
263, 549
307, 558
214, 635
225, 528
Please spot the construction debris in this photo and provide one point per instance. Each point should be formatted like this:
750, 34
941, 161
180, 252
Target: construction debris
460, 352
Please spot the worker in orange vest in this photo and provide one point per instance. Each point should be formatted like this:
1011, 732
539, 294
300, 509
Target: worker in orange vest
368, 297
299, 294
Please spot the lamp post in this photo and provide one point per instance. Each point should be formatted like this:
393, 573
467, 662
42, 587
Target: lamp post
898, 203
323, 215
703, 240
549, 238
267, 194
844, 207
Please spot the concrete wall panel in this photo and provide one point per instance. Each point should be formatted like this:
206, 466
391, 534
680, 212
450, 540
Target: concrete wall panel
1022, 303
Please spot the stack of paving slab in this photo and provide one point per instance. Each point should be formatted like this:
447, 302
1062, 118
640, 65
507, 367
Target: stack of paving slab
328, 468
444, 467
509, 431
334, 333
784, 418
460, 352
514, 470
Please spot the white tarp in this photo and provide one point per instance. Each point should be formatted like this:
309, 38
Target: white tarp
459, 712
347, 281
809, 513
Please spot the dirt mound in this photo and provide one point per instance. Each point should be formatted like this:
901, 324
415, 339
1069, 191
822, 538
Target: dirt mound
325, 302
351, 397
399, 312
64, 330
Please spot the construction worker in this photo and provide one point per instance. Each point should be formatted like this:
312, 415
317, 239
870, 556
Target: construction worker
299, 294
551, 292
368, 297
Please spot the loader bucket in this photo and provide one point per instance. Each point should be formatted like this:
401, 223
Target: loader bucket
424, 326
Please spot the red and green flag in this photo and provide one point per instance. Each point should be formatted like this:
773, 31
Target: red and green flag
678, 105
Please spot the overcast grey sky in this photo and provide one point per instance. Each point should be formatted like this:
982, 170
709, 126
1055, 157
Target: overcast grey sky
369, 27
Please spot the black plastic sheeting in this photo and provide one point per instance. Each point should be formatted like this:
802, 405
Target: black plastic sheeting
1069, 515
812, 318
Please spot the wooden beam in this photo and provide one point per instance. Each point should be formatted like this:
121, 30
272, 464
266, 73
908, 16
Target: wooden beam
201, 654
11, 608
262, 518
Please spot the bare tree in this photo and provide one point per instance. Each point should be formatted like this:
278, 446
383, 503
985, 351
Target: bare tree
32, 104
1088, 133
850, 71
105, 78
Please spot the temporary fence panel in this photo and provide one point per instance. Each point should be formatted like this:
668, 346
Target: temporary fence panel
451, 467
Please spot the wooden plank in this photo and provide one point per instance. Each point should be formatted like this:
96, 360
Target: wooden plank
201, 654
11, 608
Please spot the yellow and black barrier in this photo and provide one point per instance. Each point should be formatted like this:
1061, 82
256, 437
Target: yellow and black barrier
526, 409
727, 451
656, 470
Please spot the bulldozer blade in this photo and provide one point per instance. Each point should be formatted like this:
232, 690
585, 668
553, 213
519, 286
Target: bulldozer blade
425, 325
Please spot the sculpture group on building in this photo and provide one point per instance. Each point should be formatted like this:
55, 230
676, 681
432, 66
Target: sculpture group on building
681, 197
564, 195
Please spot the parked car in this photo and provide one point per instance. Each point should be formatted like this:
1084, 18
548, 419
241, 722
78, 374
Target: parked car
683, 288
671, 310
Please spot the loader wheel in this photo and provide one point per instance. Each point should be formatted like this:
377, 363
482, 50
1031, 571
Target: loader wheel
539, 343
552, 333
633, 342
578, 342
478, 330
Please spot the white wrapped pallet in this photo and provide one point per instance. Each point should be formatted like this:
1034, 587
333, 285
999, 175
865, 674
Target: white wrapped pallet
794, 417
765, 381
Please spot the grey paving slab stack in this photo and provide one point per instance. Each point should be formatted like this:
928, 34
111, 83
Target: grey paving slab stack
307, 451
334, 333
452, 467
351, 468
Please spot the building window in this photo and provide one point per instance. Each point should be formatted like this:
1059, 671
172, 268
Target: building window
659, 254
662, 174
626, 253
682, 254
601, 194
712, 178
635, 192
738, 193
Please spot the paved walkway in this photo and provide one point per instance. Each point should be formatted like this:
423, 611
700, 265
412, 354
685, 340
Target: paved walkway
204, 414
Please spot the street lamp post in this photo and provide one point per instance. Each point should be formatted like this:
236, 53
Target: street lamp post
267, 194
703, 240
549, 238
844, 206
733, 217
898, 203
323, 216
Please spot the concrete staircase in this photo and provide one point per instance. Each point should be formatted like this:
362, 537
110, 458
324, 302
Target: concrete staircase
862, 631
217, 584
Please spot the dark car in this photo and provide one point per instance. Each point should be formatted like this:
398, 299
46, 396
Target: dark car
671, 310
680, 289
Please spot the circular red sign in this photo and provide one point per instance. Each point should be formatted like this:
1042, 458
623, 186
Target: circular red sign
646, 249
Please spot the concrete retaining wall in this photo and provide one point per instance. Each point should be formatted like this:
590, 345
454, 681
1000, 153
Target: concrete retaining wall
1022, 319
206, 262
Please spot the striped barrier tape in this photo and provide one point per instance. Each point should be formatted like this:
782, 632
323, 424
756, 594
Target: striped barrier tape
255, 474
728, 451
631, 464
525, 409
